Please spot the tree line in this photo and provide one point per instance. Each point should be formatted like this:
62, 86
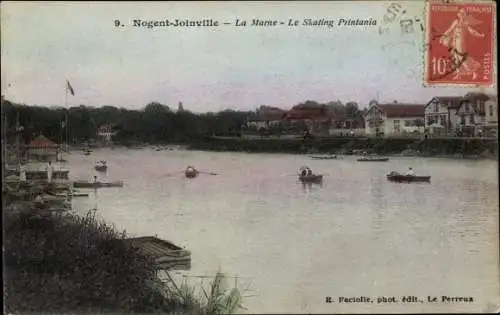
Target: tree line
155, 123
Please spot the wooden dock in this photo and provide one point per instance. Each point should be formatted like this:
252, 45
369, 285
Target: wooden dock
167, 255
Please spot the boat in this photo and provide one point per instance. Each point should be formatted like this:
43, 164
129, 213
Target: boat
85, 184
191, 172
315, 178
101, 166
165, 254
372, 159
397, 177
323, 157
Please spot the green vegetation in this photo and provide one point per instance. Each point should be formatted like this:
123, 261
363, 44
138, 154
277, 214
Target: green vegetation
156, 123
349, 145
67, 263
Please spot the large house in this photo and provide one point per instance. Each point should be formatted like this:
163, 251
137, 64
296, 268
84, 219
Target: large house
42, 149
106, 132
347, 120
472, 116
316, 118
266, 117
491, 116
441, 114
394, 119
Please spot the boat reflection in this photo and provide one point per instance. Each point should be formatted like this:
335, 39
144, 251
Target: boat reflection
306, 186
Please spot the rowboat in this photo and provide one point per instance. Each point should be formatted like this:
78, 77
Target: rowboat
101, 166
323, 157
191, 173
396, 177
372, 159
84, 184
165, 253
311, 178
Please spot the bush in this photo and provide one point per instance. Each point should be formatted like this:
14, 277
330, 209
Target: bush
67, 263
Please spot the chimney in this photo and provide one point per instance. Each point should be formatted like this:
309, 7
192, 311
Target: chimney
180, 108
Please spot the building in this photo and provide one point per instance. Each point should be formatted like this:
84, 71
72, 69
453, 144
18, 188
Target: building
394, 119
315, 118
472, 119
491, 116
42, 149
441, 114
347, 119
105, 132
266, 120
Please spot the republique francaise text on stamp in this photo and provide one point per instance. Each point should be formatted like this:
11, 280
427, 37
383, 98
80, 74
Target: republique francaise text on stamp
460, 43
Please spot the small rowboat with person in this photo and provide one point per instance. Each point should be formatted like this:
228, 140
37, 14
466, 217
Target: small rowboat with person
101, 166
191, 172
306, 175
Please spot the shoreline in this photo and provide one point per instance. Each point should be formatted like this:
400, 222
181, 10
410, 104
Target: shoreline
458, 148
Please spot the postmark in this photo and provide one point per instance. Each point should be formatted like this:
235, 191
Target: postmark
460, 43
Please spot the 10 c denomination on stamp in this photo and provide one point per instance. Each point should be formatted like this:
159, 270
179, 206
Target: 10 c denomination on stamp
460, 43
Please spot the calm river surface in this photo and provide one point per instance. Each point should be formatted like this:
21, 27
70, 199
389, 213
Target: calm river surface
357, 235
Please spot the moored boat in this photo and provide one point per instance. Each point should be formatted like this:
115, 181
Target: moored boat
372, 159
397, 177
85, 184
323, 157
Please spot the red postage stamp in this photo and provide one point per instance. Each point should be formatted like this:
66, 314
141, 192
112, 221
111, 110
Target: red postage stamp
460, 43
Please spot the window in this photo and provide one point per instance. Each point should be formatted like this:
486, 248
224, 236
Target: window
408, 123
462, 120
436, 107
466, 107
442, 120
419, 122
397, 126
491, 110
472, 122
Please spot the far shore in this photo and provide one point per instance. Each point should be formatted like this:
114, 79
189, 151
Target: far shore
439, 147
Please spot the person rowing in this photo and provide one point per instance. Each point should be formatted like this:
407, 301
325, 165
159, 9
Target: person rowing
410, 172
306, 171
191, 171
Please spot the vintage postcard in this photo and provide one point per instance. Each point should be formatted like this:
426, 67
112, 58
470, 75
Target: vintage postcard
250, 157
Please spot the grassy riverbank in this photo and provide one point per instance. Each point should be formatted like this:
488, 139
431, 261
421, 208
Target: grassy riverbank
346, 145
67, 263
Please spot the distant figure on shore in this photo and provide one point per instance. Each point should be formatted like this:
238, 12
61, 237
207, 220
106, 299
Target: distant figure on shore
410, 172
95, 179
50, 170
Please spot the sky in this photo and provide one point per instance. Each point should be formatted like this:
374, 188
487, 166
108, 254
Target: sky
210, 68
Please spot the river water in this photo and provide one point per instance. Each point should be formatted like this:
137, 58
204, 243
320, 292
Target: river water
292, 246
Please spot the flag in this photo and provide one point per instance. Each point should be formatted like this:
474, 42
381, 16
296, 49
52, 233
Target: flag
70, 88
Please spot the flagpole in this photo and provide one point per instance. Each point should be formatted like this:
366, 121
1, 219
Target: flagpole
66, 116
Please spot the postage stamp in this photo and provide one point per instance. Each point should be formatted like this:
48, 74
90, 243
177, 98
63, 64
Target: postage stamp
460, 43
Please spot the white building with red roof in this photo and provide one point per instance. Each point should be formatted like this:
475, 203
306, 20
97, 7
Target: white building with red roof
42, 149
395, 119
